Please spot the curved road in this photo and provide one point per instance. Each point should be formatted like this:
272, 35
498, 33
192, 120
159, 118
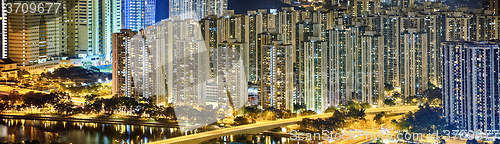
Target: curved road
262, 126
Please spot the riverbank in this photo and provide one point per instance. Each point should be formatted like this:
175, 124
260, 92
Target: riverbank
95, 120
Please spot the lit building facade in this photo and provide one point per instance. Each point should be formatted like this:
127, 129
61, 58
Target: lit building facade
122, 82
470, 84
197, 9
137, 14
4, 43
412, 62
276, 84
35, 40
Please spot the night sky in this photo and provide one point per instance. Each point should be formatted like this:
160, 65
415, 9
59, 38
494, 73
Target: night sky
242, 6
161, 10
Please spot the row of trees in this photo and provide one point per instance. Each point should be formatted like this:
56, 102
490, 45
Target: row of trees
341, 118
432, 96
92, 88
77, 74
426, 119
32, 99
253, 112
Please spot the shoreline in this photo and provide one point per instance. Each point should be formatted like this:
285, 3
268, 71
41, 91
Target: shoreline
105, 121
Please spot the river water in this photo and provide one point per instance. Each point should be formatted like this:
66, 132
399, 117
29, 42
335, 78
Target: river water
17, 130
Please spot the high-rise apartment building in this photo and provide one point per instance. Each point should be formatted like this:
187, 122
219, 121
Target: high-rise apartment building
366, 7
197, 9
276, 83
170, 62
87, 34
491, 5
484, 26
456, 26
35, 40
372, 68
122, 82
470, 84
4, 41
402, 3
137, 14
112, 24
312, 62
231, 77
412, 63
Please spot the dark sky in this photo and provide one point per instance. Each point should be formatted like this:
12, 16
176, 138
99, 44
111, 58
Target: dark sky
240, 6
161, 10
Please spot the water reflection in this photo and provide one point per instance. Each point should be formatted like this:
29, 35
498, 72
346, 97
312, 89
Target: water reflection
17, 130
257, 139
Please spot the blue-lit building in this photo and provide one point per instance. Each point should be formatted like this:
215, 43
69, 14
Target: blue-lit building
137, 14
471, 84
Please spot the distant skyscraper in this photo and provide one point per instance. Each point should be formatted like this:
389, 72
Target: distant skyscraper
4, 44
137, 14
85, 26
197, 9
113, 21
471, 88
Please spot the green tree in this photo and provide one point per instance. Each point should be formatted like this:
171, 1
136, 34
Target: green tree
269, 115
308, 112
378, 118
65, 108
388, 87
330, 109
23, 72
298, 107
425, 119
396, 95
389, 102
434, 96
89, 99
242, 120
365, 105
356, 113
250, 111
39, 99
3, 107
